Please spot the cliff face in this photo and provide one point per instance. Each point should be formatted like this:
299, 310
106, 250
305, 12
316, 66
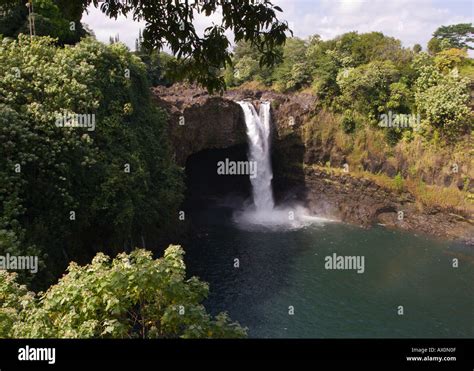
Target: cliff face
200, 122
363, 202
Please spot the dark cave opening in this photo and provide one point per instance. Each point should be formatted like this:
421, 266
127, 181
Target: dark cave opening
203, 183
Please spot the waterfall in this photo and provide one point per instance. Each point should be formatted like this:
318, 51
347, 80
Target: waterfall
263, 213
259, 135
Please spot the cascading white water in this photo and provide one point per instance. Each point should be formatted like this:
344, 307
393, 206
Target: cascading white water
263, 212
258, 134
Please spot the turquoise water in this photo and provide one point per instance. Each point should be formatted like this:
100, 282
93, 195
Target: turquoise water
283, 269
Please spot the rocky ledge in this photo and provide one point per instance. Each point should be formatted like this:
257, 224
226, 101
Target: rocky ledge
361, 201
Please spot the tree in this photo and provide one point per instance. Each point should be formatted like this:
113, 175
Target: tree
324, 65
201, 57
459, 36
417, 48
441, 97
434, 46
48, 171
14, 299
293, 72
448, 59
367, 87
131, 296
55, 18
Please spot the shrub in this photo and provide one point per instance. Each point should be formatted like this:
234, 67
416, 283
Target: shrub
398, 182
131, 296
348, 123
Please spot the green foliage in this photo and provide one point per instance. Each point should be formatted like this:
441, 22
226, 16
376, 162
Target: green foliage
448, 59
325, 68
398, 183
442, 97
131, 296
158, 64
246, 66
64, 169
367, 87
245, 69
456, 36
14, 299
332, 60
348, 122
401, 97
171, 23
372, 46
51, 18
434, 46
201, 57
15, 17
293, 73
370, 74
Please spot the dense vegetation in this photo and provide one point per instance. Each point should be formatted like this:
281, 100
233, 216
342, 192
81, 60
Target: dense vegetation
60, 19
86, 167
369, 74
68, 192
130, 296
169, 23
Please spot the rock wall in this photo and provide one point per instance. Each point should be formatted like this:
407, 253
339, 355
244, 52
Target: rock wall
363, 202
198, 121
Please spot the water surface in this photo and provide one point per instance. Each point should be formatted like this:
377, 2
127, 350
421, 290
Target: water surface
283, 268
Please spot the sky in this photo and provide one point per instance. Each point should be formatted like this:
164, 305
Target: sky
411, 21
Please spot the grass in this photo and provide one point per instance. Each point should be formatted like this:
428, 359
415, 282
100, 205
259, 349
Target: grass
427, 196
430, 196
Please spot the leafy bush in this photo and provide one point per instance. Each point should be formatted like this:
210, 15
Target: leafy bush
442, 98
53, 18
367, 87
131, 296
14, 300
293, 73
348, 123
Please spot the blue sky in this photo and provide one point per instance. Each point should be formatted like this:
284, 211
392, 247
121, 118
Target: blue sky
412, 21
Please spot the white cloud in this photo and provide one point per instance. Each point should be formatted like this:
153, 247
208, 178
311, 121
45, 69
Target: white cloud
408, 20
